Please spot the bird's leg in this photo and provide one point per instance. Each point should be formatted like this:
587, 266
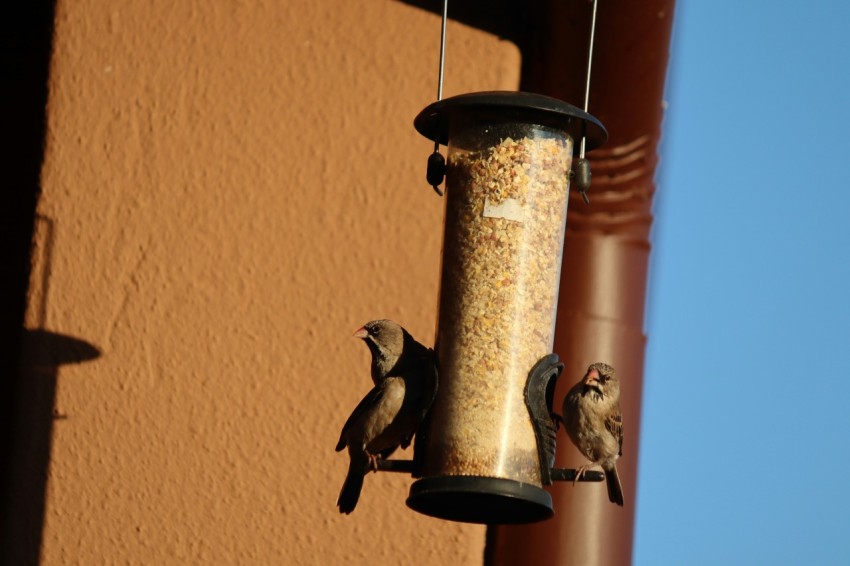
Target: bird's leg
579, 473
373, 462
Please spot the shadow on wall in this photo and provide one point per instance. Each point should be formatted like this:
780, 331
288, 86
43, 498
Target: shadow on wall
42, 353
26, 34
32, 413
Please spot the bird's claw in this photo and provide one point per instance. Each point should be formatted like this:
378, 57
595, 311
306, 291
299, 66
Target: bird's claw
579, 473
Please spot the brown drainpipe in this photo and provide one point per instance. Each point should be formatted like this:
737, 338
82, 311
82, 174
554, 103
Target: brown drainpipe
606, 252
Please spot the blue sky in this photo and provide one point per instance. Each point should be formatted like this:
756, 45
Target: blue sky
745, 441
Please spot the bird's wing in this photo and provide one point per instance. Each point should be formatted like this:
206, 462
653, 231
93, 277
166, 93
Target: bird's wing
428, 382
431, 380
370, 400
614, 424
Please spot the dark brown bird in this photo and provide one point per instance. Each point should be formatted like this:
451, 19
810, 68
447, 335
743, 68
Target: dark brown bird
405, 376
591, 415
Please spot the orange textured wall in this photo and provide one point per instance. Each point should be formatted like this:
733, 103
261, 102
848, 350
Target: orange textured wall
229, 190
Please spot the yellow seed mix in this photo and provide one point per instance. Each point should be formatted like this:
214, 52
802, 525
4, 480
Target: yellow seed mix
505, 218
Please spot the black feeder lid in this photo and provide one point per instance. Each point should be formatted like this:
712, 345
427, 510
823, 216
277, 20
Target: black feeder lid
434, 122
475, 499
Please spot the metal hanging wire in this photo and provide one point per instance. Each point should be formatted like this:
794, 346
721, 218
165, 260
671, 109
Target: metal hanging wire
589, 65
443, 50
582, 169
436, 171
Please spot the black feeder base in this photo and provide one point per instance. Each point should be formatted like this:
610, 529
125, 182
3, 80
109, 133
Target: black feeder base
472, 499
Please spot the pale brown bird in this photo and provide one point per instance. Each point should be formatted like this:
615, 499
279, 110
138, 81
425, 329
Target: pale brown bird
591, 416
386, 341
405, 376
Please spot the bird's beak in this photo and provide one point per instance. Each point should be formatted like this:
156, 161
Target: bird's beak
361, 333
591, 379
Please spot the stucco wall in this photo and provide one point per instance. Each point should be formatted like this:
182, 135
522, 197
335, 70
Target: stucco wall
229, 190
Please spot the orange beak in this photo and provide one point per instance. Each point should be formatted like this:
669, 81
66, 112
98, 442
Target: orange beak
591, 379
361, 333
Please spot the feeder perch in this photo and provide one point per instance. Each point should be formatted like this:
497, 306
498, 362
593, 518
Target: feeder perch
487, 445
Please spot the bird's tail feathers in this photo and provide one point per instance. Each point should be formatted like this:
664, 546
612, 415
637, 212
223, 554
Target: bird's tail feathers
615, 488
351, 487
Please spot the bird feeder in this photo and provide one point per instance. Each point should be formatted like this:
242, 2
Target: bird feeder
485, 454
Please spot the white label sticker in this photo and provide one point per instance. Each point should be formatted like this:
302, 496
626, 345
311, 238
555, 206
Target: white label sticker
509, 209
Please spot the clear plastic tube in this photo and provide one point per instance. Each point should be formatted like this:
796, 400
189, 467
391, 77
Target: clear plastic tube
506, 208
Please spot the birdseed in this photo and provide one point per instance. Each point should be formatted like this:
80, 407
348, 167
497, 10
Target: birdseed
505, 218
